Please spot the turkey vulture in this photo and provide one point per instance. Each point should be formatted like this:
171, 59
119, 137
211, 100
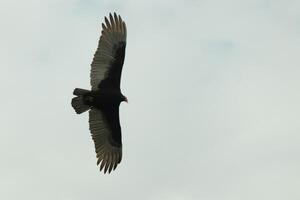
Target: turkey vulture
104, 98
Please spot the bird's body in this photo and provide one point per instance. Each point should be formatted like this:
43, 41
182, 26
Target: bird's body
104, 99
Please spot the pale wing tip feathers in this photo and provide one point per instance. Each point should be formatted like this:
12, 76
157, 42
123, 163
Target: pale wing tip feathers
114, 28
109, 158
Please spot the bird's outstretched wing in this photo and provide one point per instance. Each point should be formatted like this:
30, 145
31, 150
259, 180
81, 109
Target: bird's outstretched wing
108, 60
106, 133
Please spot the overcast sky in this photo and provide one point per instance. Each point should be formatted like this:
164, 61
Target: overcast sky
213, 90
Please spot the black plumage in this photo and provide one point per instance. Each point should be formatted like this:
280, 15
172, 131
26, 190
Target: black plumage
104, 99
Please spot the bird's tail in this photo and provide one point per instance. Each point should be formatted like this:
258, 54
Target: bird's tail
78, 102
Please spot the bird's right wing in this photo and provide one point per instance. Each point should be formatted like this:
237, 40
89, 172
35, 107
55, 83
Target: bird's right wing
109, 57
109, 152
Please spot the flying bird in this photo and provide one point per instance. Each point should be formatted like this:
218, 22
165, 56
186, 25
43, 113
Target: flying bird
104, 98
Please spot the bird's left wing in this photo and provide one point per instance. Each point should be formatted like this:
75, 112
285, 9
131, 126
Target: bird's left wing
109, 57
108, 149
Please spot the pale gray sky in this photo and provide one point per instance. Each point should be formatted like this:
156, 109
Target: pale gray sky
214, 101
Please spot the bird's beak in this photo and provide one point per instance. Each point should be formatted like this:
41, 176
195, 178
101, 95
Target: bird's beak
126, 100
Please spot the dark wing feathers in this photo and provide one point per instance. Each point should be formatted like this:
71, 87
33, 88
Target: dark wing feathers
113, 75
109, 57
108, 154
